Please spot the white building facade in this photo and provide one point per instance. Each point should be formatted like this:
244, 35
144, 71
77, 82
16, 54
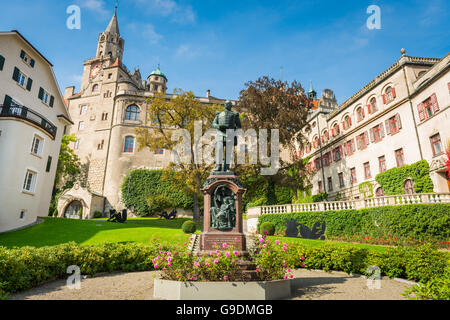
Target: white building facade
399, 118
32, 120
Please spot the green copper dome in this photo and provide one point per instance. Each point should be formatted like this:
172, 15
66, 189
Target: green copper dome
158, 72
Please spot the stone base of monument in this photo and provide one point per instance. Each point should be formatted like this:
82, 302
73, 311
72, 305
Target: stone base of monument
256, 290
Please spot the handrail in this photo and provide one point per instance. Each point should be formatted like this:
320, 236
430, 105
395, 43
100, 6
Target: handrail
22, 112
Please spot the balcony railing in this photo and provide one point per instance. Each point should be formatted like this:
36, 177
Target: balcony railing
26, 114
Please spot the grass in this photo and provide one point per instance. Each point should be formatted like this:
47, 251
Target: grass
319, 243
54, 231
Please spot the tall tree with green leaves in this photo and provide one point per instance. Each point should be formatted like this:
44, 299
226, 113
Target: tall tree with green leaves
164, 117
68, 162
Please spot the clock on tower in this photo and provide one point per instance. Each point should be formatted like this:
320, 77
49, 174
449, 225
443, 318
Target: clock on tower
94, 70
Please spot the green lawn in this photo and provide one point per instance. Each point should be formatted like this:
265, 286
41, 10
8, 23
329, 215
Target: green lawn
55, 231
318, 243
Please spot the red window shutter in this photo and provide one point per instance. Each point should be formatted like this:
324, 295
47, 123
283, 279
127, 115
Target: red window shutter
332, 132
398, 120
448, 85
343, 125
434, 102
372, 139
381, 130
384, 98
369, 108
393, 93
388, 127
362, 112
366, 139
421, 111
349, 121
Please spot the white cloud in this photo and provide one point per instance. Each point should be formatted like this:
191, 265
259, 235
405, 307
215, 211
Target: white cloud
150, 34
188, 51
94, 5
178, 13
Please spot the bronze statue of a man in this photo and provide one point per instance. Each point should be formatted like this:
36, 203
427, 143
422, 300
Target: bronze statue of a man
224, 121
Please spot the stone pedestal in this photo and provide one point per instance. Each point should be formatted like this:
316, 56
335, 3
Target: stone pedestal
211, 235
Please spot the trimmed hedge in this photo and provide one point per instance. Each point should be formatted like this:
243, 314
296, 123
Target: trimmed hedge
26, 267
143, 184
189, 227
419, 221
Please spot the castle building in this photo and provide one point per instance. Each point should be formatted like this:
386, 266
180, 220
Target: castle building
111, 104
399, 118
32, 120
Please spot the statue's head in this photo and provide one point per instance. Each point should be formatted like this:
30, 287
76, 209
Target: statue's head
228, 105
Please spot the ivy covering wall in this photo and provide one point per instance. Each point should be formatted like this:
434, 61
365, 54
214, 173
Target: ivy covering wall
141, 184
392, 180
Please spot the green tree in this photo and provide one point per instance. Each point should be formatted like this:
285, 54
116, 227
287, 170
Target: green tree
68, 162
164, 117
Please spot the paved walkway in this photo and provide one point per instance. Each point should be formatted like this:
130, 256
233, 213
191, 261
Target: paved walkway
310, 285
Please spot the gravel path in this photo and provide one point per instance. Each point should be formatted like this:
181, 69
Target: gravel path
310, 285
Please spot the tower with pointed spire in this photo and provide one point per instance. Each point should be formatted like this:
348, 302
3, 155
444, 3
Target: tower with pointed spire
312, 94
110, 43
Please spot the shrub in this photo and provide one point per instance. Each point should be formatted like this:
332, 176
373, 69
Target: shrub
267, 227
320, 197
138, 185
159, 202
98, 214
189, 227
419, 221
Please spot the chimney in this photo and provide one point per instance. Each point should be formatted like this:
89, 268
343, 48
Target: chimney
69, 92
208, 93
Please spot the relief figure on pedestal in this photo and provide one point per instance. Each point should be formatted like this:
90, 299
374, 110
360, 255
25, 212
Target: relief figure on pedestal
223, 209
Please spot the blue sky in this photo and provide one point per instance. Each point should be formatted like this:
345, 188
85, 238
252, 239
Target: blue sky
220, 45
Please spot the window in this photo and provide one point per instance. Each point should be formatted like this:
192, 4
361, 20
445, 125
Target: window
382, 163
81, 126
379, 192
308, 147
372, 106
320, 187
408, 186
100, 145
161, 151
155, 87
341, 180
362, 141
22, 215
95, 88
389, 95
36, 147
428, 108
377, 133
360, 114
393, 124
327, 159
316, 142
29, 184
22, 79
353, 176
367, 173
26, 58
325, 136
49, 164
109, 75
104, 116
349, 147
335, 130
132, 113
330, 184
77, 144
399, 157
337, 153
2, 62
83, 110
317, 164
347, 123
129, 144
436, 145
45, 97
